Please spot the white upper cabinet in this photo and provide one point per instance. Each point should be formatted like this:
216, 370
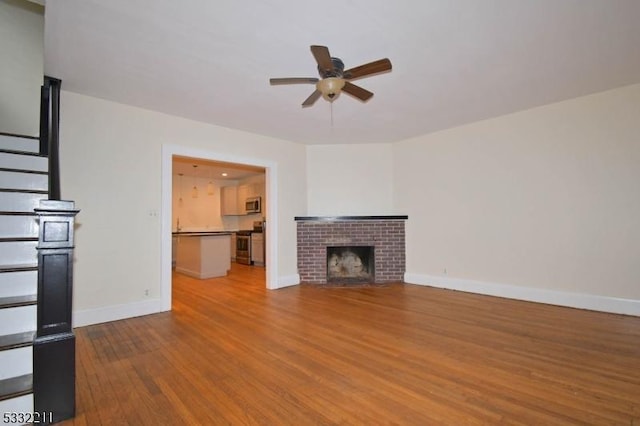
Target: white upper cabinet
229, 201
243, 194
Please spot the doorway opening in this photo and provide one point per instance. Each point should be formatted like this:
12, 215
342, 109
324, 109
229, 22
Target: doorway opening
198, 198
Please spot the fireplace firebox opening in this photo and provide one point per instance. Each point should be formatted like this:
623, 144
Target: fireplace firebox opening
350, 264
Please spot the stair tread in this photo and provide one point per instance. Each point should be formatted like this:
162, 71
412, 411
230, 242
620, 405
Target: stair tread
15, 135
16, 301
10, 213
19, 152
26, 191
14, 387
17, 239
20, 267
7, 169
17, 340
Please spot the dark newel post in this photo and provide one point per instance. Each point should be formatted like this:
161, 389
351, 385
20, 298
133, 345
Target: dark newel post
54, 346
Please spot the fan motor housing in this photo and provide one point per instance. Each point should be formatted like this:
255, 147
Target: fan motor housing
338, 68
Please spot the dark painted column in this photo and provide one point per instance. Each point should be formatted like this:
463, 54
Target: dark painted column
54, 345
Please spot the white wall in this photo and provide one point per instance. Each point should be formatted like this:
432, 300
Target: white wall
21, 72
350, 179
546, 198
111, 157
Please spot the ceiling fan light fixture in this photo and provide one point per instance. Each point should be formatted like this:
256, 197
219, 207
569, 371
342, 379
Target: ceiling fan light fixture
330, 87
334, 79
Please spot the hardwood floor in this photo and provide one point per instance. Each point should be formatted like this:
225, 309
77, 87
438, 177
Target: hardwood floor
232, 352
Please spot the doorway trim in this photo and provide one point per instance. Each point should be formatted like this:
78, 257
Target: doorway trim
271, 189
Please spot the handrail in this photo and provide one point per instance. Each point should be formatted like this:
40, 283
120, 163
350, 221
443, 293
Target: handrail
50, 131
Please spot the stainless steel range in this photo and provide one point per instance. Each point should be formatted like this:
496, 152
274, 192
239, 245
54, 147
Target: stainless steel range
243, 247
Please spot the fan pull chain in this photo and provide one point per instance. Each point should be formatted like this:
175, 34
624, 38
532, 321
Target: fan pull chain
331, 103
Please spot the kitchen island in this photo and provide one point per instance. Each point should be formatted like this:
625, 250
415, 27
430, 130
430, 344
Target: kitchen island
203, 254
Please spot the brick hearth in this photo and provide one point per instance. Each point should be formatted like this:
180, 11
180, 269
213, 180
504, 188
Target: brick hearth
384, 233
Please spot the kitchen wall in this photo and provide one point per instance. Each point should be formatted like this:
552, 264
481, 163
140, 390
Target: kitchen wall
201, 213
111, 165
544, 199
350, 179
204, 212
21, 73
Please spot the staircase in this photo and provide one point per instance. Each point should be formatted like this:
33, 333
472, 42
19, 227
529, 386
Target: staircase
23, 183
37, 344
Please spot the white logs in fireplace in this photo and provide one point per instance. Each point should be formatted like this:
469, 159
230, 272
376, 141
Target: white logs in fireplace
350, 264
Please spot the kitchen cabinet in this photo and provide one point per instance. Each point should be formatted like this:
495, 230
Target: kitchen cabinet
257, 248
174, 251
254, 190
229, 205
243, 194
233, 247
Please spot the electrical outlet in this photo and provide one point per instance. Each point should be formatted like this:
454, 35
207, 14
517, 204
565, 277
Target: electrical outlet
444, 271
146, 292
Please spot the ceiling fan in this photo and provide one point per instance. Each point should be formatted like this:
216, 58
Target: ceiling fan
334, 78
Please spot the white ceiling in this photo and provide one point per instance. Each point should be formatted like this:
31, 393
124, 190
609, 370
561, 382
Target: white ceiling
454, 61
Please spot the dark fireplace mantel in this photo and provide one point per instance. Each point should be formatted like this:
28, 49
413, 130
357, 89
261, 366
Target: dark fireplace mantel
348, 218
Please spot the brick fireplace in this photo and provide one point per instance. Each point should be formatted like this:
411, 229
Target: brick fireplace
350, 249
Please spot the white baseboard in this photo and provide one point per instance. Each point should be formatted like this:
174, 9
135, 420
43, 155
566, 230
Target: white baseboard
116, 312
136, 309
288, 280
552, 297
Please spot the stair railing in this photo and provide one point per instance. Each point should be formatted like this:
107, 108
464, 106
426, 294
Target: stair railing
50, 131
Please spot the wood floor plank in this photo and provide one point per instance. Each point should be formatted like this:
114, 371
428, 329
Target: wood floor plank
232, 352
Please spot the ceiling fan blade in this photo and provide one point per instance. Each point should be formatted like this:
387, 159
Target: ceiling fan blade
293, 80
374, 67
323, 58
357, 91
312, 98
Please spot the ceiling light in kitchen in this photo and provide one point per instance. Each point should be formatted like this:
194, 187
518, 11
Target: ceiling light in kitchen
210, 184
194, 191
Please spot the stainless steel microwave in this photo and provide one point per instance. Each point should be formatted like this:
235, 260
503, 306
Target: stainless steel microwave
253, 205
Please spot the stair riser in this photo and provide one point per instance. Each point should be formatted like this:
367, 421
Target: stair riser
18, 226
16, 362
15, 180
20, 201
17, 320
18, 252
24, 162
18, 283
22, 404
16, 143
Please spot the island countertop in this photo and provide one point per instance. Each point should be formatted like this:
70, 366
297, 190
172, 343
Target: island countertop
200, 233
